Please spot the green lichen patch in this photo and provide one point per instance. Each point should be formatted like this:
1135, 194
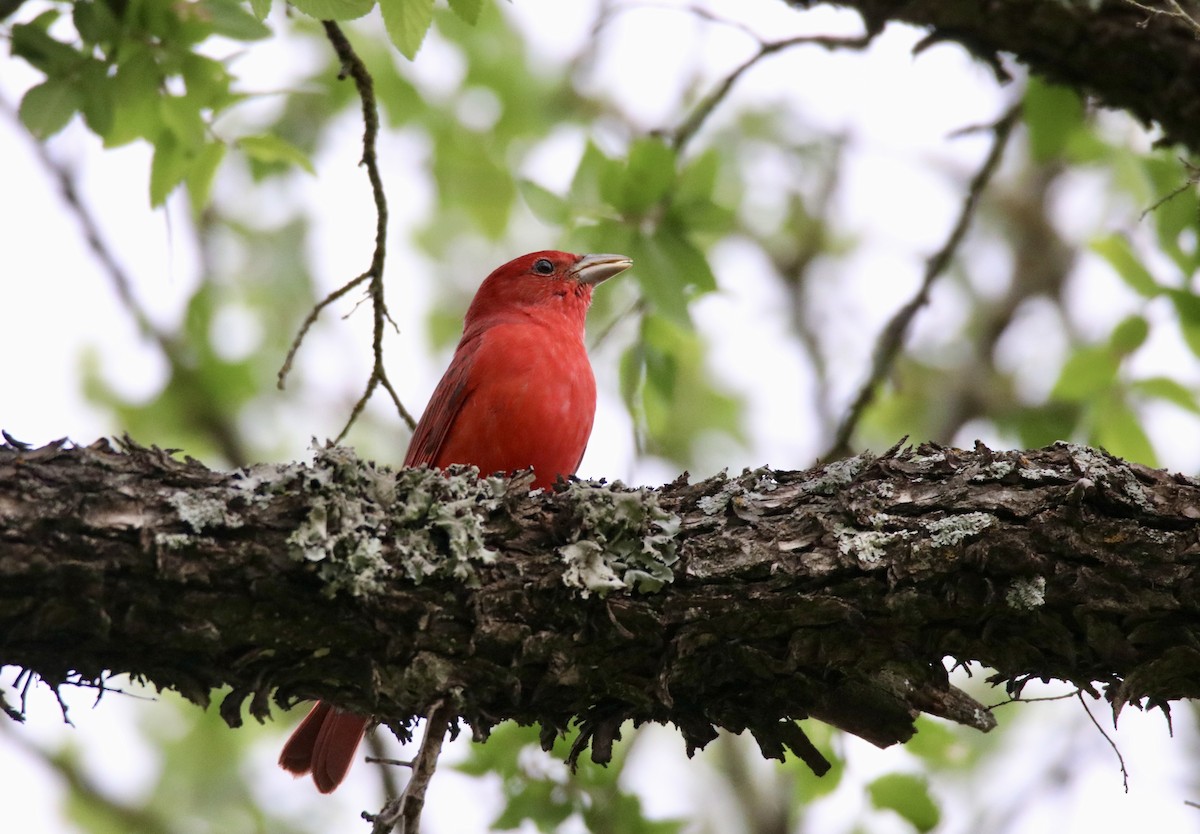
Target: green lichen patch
369, 524
868, 547
622, 539
744, 496
202, 509
955, 529
838, 474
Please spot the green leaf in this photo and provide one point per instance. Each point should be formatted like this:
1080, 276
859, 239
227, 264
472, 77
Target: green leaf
269, 148
467, 10
46, 108
1089, 371
136, 90
261, 8
32, 42
1129, 335
334, 9
908, 796
1168, 390
1119, 430
407, 21
649, 174
545, 204
1052, 114
230, 18
1120, 255
167, 169
201, 174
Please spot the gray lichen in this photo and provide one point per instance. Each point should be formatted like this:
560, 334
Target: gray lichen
837, 474
1026, 593
357, 509
954, 529
201, 509
868, 546
622, 539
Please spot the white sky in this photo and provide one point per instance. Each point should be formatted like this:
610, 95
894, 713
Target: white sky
901, 193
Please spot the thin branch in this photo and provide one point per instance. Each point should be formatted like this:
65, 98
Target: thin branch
354, 68
403, 814
1174, 9
1192, 179
891, 340
1111, 743
693, 123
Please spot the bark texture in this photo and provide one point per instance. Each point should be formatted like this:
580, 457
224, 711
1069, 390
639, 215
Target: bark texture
742, 603
1122, 53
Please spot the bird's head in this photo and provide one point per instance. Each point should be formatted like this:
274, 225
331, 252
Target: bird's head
554, 282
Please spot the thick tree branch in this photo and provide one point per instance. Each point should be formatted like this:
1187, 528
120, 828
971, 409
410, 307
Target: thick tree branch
741, 603
1122, 53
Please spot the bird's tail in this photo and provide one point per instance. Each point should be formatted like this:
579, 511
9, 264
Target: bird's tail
324, 745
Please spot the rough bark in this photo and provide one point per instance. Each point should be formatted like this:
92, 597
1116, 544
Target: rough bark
743, 603
1117, 51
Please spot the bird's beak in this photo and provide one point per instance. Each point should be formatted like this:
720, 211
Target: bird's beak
592, 269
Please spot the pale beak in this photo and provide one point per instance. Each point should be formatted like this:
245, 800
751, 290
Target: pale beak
592, 269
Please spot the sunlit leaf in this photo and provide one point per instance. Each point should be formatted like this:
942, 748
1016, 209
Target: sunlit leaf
334, 9
468, 10
167, 169
231, 19
407, 21
545, 204
1116, 250
1168, 390
47, 107
1129, 335
200, 175
1052, 114
1119, 430
908, 796
1088, 371
267, 147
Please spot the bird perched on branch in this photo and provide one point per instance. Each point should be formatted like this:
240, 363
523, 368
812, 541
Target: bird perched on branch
519, 394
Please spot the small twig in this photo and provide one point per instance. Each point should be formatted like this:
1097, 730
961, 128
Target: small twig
403, 814
384, 760
684, 133
354, 68
1022, 700
1193, 179
1111, 743
892, 338
1174, 9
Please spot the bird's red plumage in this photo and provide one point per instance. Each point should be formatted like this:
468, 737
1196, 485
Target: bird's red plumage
519, 393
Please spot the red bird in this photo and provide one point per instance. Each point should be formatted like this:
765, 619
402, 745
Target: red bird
519, 394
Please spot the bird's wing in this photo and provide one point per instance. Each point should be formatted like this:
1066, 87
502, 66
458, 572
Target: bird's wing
444, 407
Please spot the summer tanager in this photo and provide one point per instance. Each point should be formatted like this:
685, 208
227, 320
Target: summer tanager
519, 394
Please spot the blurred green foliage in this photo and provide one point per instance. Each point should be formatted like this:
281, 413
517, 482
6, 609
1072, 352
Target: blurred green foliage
161, 72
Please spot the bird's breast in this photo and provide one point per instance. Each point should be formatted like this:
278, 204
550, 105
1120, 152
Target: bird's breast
529, 403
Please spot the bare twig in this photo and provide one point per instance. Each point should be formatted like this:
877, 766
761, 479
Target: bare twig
684, 133
1192, 179
403, 814
354, 68
1173, 9
891, 340
1111, 743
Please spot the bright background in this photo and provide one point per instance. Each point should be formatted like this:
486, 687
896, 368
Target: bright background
900, 179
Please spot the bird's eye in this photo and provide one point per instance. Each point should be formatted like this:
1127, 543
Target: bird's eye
543, 267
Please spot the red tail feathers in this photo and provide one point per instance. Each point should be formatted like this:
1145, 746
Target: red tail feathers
324, 745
